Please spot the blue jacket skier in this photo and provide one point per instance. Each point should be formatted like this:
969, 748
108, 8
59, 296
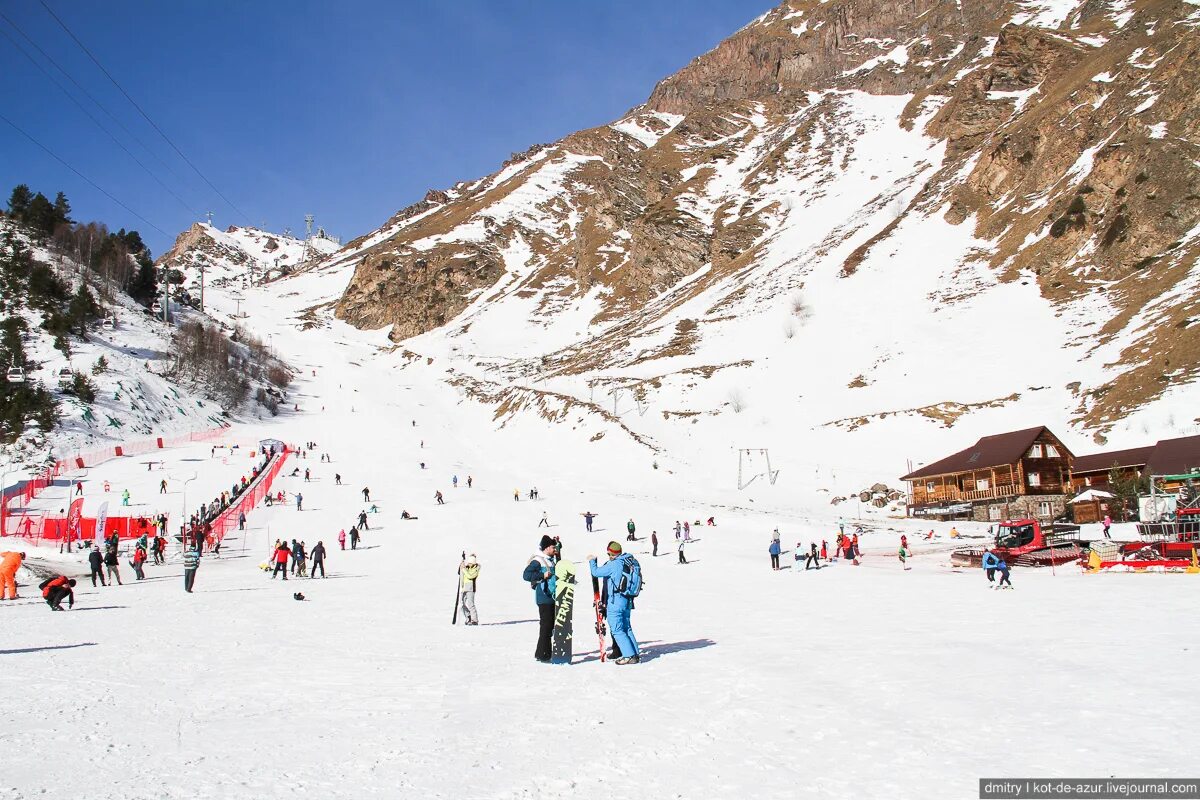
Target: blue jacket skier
620, 607
539, 574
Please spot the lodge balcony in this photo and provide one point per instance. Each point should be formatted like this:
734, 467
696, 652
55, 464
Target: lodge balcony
921, 496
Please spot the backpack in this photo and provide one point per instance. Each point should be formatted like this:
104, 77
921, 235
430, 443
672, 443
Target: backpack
630, 584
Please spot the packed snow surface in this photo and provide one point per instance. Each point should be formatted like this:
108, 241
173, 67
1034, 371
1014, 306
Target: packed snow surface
850, 681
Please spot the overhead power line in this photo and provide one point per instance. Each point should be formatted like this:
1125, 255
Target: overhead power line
89, 114
92, 97
145, 116
94, 185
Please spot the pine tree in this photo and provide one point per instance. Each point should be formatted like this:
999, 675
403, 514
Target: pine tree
18, 202
62, 210
40, 215
83, 309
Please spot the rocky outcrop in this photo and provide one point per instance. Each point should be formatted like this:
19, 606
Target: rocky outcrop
1062, 133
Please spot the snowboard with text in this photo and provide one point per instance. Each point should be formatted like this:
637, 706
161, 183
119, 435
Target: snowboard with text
564, 605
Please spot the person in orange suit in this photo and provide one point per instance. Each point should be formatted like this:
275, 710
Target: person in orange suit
9, 562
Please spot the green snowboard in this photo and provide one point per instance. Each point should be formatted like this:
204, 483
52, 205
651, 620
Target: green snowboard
564, 604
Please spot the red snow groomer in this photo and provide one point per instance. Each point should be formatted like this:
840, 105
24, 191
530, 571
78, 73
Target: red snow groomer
1027, 543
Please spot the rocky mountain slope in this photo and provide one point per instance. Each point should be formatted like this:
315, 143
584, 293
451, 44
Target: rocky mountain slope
240, 255
848, 212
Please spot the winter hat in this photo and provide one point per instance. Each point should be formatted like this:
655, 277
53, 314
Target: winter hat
471, 560
546, 542
614, 548
71, 581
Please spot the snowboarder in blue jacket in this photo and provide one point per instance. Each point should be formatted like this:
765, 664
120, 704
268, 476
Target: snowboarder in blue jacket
539, 574
620, 607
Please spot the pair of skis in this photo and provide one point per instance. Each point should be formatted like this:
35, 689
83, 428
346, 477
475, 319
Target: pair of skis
601, 627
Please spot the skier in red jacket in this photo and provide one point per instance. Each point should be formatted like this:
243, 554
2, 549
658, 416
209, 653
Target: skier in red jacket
282, 554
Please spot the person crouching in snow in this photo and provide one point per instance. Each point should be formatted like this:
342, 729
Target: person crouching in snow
620, 607
57, 589
470, 574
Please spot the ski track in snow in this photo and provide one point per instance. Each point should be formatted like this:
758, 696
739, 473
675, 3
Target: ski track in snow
850, 682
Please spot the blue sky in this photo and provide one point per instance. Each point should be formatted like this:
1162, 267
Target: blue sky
349, 111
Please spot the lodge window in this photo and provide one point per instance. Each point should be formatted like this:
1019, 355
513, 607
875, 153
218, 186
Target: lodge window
1087, 481
1051, 451
981, 485
994, 513
1043, 508
1035, 451
930, 486
1034, 478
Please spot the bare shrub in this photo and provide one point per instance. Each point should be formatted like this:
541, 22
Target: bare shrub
736, 400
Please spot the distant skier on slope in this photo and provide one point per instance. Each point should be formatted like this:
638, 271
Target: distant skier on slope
366, 493
774, 550
544, 521
318, 560
588, 516
629, 526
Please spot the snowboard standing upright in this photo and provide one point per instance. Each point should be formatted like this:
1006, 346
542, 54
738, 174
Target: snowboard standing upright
564, 605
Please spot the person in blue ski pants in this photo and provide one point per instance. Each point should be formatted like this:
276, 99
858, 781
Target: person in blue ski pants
620, 607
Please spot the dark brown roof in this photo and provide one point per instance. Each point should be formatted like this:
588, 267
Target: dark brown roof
1098, 462
1174, 456
990, 451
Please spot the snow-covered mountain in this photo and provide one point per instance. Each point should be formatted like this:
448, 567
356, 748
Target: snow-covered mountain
868, 217
239, 256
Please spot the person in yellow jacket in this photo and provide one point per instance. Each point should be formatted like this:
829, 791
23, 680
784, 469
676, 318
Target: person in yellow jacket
470, 574
953, 532
9, 563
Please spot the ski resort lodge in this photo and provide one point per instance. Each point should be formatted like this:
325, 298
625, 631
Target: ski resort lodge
1031, 474
1017, 475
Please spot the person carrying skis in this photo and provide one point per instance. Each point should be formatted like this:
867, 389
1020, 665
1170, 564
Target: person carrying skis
774, 550
539, 574
191, 563
342, 538
629, 526
991, 563
620, 605
469, 569
587, 520
57, 589
318, 558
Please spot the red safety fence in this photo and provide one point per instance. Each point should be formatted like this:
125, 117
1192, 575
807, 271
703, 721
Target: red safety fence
247, 500
40, 529
34, 486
